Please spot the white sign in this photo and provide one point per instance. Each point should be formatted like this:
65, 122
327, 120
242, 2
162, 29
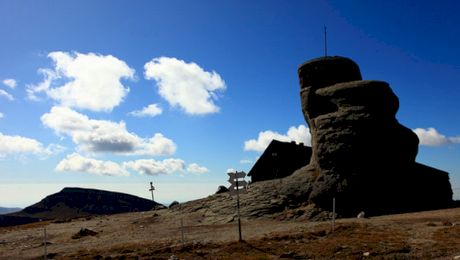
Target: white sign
238, 184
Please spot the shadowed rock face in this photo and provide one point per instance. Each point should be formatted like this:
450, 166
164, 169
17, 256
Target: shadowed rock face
360, 153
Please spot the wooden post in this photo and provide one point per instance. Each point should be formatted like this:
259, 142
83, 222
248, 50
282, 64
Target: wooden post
45, 256
333, 214
238, 208
182, 224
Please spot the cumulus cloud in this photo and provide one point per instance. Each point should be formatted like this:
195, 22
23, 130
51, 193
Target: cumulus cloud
87, 81
153, 167
156, 145
77, 163
6, 95
195, 168
166, 166
1, 115
104, 136
300, 134
151, 110
19, 144
431, 137
14, 145
185, 85
11, 83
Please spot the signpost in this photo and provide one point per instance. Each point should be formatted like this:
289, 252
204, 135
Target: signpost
152, 189
237, 186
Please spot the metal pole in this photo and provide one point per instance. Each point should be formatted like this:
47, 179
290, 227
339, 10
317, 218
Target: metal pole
238, 208
45, 244
333, 214
325, 41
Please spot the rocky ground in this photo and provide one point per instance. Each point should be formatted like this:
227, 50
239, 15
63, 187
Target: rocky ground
158, 235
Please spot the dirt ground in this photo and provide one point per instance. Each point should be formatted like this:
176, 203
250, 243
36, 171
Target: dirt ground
158, 235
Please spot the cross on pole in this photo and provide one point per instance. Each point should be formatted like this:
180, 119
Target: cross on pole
151, 190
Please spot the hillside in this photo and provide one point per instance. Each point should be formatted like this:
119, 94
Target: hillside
79, 202
157, 235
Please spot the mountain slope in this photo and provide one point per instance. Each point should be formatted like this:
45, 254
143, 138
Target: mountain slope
80, 202
8, 210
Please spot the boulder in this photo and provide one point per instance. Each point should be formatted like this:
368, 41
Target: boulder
173, 204
361, 154
221, 189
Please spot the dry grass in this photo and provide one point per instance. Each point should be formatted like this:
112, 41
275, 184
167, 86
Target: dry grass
149, 235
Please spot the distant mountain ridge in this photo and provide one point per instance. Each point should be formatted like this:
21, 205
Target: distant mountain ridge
4, 210
79, 202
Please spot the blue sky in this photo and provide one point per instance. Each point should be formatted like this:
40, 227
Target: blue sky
115, 94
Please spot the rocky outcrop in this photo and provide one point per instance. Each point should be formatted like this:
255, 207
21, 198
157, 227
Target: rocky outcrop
221, 189
360, 153
361, 156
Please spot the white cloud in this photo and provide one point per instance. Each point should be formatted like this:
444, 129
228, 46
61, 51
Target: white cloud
11, 83
151, 110
195, 168
89, 81
53, 149
1, 115
300, 134
104, 136
19, 144
230, 170
77, 163
166, 166
48, 77
431, 137
6, 95
153, 167
11, 145
245, 161
185, 85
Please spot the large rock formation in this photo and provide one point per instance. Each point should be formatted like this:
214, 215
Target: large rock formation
361, 155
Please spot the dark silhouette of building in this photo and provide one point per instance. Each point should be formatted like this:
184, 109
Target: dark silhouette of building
279, 160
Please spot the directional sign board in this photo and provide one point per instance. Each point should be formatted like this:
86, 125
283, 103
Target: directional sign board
238, 184
236, 175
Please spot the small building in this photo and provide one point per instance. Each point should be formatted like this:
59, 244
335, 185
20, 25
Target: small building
279, 160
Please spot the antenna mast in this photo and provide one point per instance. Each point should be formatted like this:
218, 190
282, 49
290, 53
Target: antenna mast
325, 41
